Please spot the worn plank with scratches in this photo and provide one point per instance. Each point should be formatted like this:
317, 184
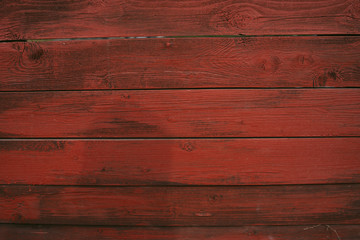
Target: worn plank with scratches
181, 63
180, 113
29, 19
45, 232
181, 206
178, 162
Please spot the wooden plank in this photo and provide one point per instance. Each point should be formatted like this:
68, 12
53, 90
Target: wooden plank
177, 162
181, 63
32, 232
181, 113
181, 206
67, 19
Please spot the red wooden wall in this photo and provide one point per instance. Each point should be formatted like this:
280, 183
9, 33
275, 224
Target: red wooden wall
230, 120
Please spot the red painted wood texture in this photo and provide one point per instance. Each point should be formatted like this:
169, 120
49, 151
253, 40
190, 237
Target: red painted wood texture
181, 63
323, 232
182, 206
28, 19
230, 136
178, 162
181, 113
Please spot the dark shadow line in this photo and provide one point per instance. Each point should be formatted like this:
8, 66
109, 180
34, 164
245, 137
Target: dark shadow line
185, 36
167, 138
179, 89
179, 185
165, 226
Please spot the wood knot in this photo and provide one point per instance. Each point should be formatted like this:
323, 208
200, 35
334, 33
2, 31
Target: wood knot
32, 56
37, 54
214, 198
146, 170
34, 52
305, 59
328, 78
106, 169
236, 20
125, 96
234, 16
188, 147
271, 64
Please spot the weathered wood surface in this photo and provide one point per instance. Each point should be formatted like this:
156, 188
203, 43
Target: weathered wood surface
181, 113
181, 63
140, 151
181, 206
177, 162
29, 19
310, 232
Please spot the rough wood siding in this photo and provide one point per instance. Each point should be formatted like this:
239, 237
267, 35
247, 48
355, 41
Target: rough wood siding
230, 120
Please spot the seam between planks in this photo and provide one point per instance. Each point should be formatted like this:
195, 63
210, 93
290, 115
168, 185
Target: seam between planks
189, 36
166, 226
176, 185
168, 138
178, 89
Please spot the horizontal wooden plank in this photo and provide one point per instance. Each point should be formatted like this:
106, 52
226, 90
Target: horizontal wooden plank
63, 19
181, 206
181, 63
177, 162
329, 232
181, 113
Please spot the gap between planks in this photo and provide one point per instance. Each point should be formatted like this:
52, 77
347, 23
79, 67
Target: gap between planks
195, 36
178, 89
165, 138
174, 186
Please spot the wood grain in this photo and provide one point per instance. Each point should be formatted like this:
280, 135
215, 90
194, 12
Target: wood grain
26, 232
177, 162
180, 113
181, 63
144, 154
29, 19
181, 206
